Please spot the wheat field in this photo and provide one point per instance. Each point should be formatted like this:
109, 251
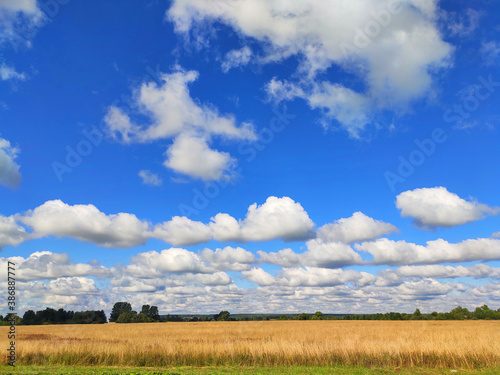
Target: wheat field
451, 344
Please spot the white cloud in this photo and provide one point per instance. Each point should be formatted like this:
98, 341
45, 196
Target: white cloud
386, 251
285, 258
314, 276
236, 57
342, 104
174, 114
394, 48
193, 157
489, 291
70, 286
437, 207
11, 233
356, 228
331, 255
351, 109
19, 20
319, 254
439, 271
9, 73
173, 260
150, 178
182, 231
276, 218
86, 223
228, 258
132, 285
424, 289
47, 265
490, 52
9, 169
464, 24
259, 276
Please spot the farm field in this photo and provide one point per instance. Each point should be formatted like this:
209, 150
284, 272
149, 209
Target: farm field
426, 347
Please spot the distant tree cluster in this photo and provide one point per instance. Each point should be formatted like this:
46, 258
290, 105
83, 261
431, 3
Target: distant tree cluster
122, 313
61, 316
458, 313
223, 316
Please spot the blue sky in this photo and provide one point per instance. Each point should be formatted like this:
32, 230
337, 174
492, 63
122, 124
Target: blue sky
251, 155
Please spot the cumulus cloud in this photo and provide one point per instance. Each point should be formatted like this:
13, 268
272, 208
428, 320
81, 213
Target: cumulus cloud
360, 37
318, 254
48, 265
182, 231
236, 57
150, 178
314, 276
228, 258
86, 223
19, 20
259, 276
331, 254
385, 251
9, 169
424, 289
439, 271
173, 114
192, 156
9, 73
11, 233
437, 207
173, 260
276, 218
487, 292
70, 286
356, 228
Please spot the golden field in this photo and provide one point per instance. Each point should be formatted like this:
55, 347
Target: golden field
455, 344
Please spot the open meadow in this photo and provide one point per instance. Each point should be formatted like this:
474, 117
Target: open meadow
464, 345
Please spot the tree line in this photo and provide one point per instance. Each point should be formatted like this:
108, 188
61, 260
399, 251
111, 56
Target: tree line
458, 313
122, 313
61, 316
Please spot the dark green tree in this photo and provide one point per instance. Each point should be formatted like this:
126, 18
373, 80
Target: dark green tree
484, 312
141, 318
46, 316
222, 316
118, 309
145, 310
318, 315
154, 314
126, 317
417, 315
29, 318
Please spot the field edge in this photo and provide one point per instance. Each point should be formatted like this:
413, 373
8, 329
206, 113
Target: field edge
243, 370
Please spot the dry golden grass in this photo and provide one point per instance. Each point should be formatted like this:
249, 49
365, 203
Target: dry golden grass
464, 344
